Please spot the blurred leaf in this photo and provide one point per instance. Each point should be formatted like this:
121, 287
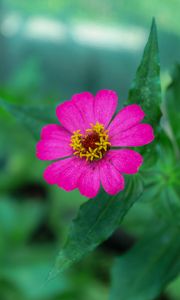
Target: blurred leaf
26, 78
161, 182
146, 88
143, 272
96, 221
18, 220
8, 291
170, 204
172, 105
139, 217
33, 117
26, 269
173, 289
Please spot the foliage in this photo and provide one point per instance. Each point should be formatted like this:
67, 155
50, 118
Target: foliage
146, 90
99, 217
142, 273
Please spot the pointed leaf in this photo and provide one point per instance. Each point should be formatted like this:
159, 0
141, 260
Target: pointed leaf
172, 105
96, 221
146, 88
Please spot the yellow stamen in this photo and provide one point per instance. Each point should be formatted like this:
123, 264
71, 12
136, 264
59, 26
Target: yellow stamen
93, 144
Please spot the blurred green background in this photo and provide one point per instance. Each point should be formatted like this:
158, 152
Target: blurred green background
50, 50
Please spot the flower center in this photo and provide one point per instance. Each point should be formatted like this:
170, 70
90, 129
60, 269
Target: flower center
93, 144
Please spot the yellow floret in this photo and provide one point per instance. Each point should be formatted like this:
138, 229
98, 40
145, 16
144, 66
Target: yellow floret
77, 140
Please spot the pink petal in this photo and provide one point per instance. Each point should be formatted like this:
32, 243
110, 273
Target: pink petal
125, 161
105, 106
138, 135
54, 131
126, 118
77, 113
69, 116
65, 173
51, 173
85, 104
54, 144
89, 181
111, 179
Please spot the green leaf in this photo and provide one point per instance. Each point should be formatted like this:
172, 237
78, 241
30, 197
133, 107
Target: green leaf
32, 117
146, 88
144, 271
99, 217
172, 106
25, 269
161, 183
173, 289
13, 215
96, 221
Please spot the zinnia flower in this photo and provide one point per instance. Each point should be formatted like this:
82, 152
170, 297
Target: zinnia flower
90, 146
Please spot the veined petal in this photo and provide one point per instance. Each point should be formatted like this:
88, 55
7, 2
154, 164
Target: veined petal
125, 160
89, 181
77, 113
128, 117
84, 103
55, 143
105, 106
55, 132
138, 135
70, 117
112, 181
64, 173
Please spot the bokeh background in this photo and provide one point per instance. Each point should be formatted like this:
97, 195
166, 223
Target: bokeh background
50, 50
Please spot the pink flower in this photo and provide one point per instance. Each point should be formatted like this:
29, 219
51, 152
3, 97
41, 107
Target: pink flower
89, 144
